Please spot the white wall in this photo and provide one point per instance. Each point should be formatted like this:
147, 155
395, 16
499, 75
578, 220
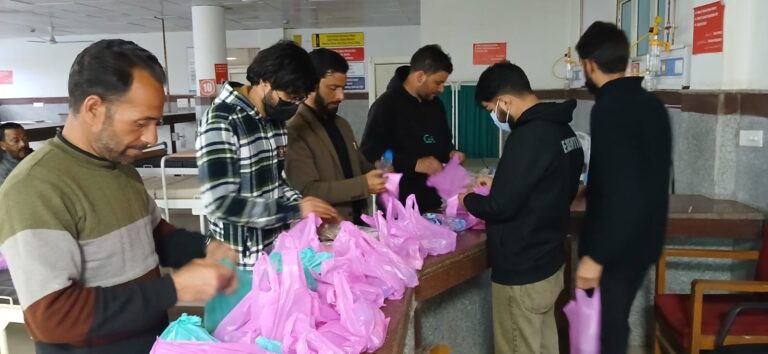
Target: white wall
741, 64
597, 10
706, 69
394, 41
254, 38
41, 70
745, 46
537, 33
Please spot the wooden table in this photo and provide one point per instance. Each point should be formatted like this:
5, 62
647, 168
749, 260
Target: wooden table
689, 216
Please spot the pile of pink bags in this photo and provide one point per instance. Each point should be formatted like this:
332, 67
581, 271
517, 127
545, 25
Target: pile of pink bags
282, 314
452, 180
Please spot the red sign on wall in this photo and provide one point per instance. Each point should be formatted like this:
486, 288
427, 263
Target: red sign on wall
6, 77
207, 87
488, 53
222, 73
351, 54
708, 28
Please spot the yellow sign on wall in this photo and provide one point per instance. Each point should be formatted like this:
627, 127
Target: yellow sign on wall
340, 39
297, 39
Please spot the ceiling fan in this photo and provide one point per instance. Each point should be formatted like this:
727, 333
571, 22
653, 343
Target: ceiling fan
52, 38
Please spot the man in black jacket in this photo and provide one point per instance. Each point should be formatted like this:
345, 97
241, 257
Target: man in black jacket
627, 191
410, 120
527, 212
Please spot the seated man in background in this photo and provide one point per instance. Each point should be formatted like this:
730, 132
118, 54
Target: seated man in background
322, 158
410, 120
15, 146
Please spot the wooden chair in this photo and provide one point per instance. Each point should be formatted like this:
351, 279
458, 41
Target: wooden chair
689, 323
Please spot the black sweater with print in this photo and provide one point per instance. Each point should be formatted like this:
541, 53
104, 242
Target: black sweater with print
527, 213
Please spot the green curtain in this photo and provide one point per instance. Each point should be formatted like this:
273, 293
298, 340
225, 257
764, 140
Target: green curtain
478, 136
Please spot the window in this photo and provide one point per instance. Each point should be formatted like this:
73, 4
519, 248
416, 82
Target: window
661, 10
643, 24
635, 17
626, 18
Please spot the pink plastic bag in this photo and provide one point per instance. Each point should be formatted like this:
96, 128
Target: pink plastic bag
408, 248
165, 347
360, 317
584, 322
361, 326
392, 187
302, 235
451, 180
276, 305
296, 301
311, 341
366, 261
434, 239
264, 296
453, 208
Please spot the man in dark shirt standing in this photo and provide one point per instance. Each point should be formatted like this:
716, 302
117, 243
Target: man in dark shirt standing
627, 192
410, 119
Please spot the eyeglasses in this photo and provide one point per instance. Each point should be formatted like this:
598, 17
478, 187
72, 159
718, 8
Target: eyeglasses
297, 100
292, 100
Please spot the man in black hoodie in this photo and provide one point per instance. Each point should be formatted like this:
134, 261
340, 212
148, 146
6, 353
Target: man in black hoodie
527, 212
628, 187
410, 120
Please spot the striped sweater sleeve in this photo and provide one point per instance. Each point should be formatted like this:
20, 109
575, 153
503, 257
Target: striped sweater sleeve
39, 242
219, 165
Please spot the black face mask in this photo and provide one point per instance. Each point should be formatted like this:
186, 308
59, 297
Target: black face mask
281, 111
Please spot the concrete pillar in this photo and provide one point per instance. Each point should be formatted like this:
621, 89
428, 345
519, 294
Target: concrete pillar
210, 41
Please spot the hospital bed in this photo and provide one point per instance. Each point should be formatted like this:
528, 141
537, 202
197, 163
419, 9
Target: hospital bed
10, 310
174, 185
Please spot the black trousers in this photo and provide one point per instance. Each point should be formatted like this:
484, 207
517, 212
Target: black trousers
618, 288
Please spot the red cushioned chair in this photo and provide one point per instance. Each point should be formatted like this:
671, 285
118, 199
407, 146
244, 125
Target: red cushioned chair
720, 348
689, 323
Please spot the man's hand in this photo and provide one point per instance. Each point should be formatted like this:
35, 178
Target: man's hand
588, 273
459, 154
428, 165
376, 181
322, 209
201, 279
483, 181
217, 251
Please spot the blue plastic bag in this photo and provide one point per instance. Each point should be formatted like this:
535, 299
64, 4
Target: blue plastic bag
187, 329
221, 304
269, 345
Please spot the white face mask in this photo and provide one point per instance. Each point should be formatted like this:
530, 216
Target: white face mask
503, 126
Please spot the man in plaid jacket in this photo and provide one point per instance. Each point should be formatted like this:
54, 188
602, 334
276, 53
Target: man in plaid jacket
240, 152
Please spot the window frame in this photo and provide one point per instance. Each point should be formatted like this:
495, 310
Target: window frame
634, 21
